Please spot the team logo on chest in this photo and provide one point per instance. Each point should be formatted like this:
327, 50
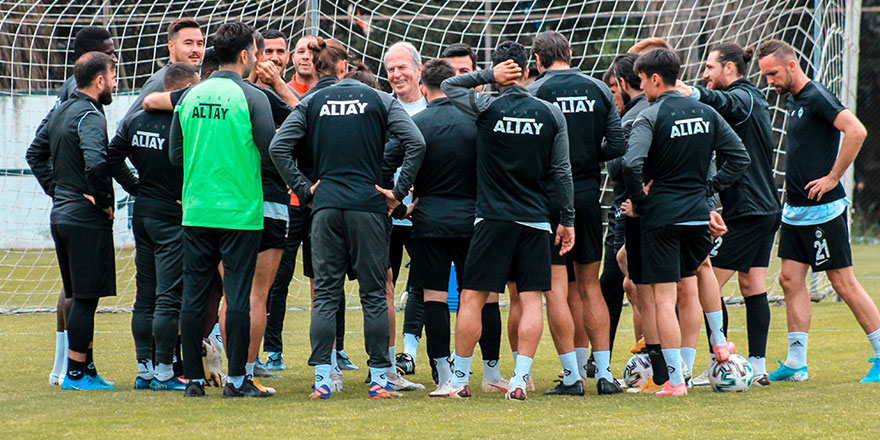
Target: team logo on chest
575, 104
518, 126
688, 127
343, 108
146, 139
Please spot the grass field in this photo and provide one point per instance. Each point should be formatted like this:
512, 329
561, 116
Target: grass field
831, 405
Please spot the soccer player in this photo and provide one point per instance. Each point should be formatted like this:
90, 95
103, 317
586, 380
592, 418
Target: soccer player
345, 126
143, 138
751, 205
670, 150
217, 135
69, 160
521, 144
815, 233
304, 76
271, 61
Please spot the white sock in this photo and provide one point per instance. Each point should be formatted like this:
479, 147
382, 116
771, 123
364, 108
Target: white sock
145, 369
249, 368
603, 365
583, 357
757, 364
237, 381
570, 368
60, 354
444, 372
379, 376
334, 366
322, 375
521, 372
163, 372
797, 350
688, 354
461, 370
66, 347
716, 321
673, 363
410, 345
215, 333
491, 371
874, 339
392, 369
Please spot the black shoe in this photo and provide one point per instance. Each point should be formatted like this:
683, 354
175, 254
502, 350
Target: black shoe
591, 368
247, 389
605, 386
575, 389
194, 388
761, 380
434, 376
405, 364
369, 378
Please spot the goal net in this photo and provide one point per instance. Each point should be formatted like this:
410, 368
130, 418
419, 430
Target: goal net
36, 57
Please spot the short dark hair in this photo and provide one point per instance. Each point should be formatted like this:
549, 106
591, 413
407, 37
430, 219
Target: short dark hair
435, 71
90, 66
609, 76
778, 48
232, 38
460, 50
180, 24
511, 50
734, 53
663, 62
624, 69
360, 72
551, 46
271, 34
178, 74
209, 63
90, 39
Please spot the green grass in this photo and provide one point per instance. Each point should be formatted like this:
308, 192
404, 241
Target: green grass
831, 405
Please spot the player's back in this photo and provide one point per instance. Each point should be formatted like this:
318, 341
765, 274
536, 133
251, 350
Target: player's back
159, 183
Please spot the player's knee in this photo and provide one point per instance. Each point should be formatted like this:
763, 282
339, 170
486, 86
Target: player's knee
788, 281
844, 284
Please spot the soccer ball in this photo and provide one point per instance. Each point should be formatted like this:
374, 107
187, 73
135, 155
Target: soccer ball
637, 371
735, 375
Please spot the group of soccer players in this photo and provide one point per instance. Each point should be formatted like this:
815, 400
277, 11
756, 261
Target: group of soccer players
237, 167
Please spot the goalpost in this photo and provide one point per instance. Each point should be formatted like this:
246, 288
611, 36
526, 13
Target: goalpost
36, 57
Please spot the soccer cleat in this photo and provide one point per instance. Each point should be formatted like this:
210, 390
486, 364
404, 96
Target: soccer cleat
369, 378
497, 386
452, 392
761, 380
262, 387
261, 371
435, 376
723, 351
379, 392
790, 374
336, 383
100, 380
194, 388
275, 363
561, 389
247, 389
344, 362
530, 384
874, 373
142, 384
607, 387
85, 383
398, 383
405, 364
173, 384
320, 393
673, 390
56, 378
649, 387
702, 379
639, 347
517, 393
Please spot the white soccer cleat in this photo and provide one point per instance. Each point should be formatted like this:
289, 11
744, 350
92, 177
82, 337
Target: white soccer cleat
497, 386
401, 384
702, 380
56, 378
336, 383
449, 391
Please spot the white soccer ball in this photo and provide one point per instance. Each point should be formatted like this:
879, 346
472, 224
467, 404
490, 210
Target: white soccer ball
735, 375
637, 371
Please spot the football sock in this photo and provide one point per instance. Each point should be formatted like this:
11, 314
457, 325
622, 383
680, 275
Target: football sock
437, 329
75, 370
570, 368
444, 373
714, 322
90, 363
491, 372
145, 369
334, 365
410, 345
322, 375
215, 333
874, 339
673, 364
461, 370
514, 354
757, 364
758, 324
688, 354
603, 367
583, 356
377, 375
66, 347
237, 381
658, 364
164, 372
797, 350
249, 369
490, 337
60, 353
521, 371
391, 368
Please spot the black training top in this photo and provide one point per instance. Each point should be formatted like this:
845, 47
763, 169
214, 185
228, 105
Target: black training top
616, 235
156, 83
143, 138
64, 93
522, 145
744, 107
811, 143
674, 140
344, 126
591, 117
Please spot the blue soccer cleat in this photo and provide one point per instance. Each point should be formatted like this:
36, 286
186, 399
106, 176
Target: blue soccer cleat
142, 384
874, 373
100, 380
789, 374
84, 383
173, 384
320, 393
275, 363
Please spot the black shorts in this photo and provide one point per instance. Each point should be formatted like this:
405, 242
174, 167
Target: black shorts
673, 252
274, 234
431, 259
587, 228
823, 247
748, 243
561, 260
505, 250
633, 243
87, 261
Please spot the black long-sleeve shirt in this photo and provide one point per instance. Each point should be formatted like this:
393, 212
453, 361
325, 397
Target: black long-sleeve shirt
671, 144
616, 226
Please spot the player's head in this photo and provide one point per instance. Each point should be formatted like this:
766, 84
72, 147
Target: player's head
93, 39
234, 45
302, 57
209, 63
95, 74
276, 48
403, 65
185, 41
180, 75
461, 57
649, 44
658, 70
611, 81
434, 73
329, 57
511, 50
260, 43
778, 63
360, 72
625, 76
725, 64
551, 47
